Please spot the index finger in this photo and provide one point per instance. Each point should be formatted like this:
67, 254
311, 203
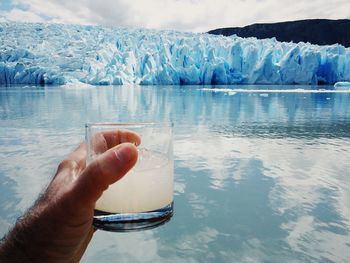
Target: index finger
115, 137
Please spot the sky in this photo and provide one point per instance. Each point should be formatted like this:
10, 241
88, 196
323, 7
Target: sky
183, 15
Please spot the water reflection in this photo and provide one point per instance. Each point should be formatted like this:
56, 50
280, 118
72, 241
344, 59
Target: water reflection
259, 176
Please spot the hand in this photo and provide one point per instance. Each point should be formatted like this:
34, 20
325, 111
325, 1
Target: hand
58, 227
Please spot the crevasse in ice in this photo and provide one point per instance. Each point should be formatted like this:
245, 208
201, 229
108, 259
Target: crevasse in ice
59, 54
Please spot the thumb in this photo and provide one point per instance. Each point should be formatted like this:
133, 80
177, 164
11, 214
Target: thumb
106, 169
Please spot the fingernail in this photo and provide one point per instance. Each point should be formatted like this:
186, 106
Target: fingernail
124, 153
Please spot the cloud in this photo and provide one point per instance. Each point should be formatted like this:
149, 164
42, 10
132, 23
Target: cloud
187, 15
21, 15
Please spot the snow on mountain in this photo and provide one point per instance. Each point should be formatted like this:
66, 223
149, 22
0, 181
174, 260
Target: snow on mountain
60, 54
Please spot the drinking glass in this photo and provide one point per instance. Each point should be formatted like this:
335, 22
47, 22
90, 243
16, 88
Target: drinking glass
143, 198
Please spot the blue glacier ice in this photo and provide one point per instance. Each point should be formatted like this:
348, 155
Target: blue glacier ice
72, 54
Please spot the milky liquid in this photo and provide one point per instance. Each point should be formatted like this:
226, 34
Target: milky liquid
148, 186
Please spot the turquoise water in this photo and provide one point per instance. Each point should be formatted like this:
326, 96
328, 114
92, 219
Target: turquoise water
261, 175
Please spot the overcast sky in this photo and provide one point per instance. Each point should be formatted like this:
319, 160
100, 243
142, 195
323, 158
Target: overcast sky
184, 15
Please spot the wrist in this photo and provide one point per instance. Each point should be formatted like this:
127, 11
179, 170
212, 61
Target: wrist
11, 248
30, 240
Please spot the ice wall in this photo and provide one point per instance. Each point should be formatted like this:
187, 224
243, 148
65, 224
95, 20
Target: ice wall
59, 54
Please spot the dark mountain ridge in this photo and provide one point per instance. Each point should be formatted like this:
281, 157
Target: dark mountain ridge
314, 31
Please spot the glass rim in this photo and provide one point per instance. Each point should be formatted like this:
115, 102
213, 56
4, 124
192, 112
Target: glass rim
128, 124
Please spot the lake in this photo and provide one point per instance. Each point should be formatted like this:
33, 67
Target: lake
262, 173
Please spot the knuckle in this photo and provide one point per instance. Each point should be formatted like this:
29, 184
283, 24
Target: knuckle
67, 164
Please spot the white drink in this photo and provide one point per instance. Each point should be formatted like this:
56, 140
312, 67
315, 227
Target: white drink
148, 186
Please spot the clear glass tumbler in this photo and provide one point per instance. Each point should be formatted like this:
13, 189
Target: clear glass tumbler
143, 198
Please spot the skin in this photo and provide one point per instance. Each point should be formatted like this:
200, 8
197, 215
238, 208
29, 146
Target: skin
58, 228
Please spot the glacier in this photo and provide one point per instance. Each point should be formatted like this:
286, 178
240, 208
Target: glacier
44, 54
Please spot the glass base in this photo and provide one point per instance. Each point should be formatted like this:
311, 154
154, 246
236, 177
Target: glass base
132, 221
